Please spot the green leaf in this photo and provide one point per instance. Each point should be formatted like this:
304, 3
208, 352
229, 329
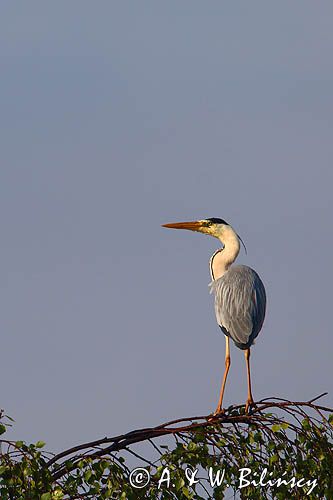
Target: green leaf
186, 492
46, 496
179, 483
87, 475
273, 459
40, 444
2, 429
57, 494
306, 424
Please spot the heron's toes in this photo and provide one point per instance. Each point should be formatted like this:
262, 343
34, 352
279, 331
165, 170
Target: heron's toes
217, 413
250, 405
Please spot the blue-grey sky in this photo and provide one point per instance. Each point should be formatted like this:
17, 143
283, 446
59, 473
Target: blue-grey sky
117, 117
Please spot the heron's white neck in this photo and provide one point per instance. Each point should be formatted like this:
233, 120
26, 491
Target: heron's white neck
222, 259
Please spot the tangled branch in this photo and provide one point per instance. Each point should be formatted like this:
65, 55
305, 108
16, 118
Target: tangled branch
299, 410
291, 437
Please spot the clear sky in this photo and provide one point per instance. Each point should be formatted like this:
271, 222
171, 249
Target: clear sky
117, 117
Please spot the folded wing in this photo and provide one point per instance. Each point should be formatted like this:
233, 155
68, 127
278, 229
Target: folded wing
240, 304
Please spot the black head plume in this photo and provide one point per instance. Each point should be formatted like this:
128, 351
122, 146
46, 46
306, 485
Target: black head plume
215, 220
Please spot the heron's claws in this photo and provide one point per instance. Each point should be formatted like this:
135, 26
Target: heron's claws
217, 413
250, 405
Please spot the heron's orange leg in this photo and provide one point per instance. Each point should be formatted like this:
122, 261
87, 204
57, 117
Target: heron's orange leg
249, 401
227, 366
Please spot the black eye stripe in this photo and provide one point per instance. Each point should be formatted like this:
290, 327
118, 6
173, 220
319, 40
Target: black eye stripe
214, 220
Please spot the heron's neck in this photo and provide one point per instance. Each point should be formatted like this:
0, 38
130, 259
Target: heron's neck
223, 258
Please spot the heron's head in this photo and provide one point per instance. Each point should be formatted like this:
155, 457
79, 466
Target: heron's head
213, 227
218, 228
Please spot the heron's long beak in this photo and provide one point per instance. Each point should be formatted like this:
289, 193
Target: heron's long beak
191, 226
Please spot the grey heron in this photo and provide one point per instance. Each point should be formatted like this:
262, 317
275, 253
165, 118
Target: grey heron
240, 297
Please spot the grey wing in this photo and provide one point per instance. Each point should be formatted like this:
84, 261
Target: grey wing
240, 304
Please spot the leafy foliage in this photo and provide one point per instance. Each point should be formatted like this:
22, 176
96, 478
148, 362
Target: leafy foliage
288, 453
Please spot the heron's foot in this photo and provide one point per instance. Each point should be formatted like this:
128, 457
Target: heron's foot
250, 404
217, 413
